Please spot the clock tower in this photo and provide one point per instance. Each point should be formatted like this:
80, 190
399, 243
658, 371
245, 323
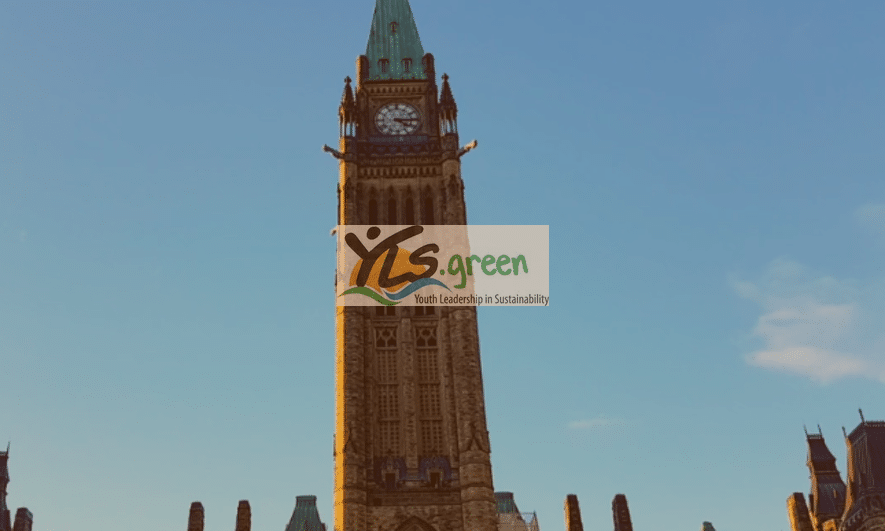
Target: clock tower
411, 445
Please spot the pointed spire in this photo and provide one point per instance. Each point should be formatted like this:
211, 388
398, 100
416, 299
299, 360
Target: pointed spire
347, 97
446, 100
347, 111
448, 110
394, 50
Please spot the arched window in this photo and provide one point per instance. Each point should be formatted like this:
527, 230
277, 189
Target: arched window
373, 212
383, 65
407, 65
393, 26
410, 212
428, 211
391, 212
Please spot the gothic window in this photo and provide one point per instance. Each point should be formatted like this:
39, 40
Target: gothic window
383, 65
373, 212
387, 389
426, 337
424, 310
390, 311
388, 401
410, 211
393, 26
407, 65
385, 338
385, 311
389, 436
391, 212
431, 437
428, 210
429, 401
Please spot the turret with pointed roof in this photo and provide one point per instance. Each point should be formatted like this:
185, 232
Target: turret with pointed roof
865, 501
827, 495
305, 517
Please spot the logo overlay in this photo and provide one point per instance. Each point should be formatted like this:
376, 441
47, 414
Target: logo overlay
443, 265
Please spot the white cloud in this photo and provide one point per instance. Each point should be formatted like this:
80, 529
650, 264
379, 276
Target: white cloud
818, 364
589, 424
815, 325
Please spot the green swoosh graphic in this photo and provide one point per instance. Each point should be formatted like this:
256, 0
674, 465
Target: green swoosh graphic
362, 290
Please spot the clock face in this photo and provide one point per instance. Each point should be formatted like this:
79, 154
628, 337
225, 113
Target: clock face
397, 119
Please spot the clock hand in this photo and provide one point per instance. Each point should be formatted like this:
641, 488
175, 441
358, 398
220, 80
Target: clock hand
404, 120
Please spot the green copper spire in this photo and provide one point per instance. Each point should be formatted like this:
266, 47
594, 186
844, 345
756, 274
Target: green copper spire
394, 50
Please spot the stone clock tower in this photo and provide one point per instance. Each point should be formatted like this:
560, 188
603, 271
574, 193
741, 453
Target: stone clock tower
411, 446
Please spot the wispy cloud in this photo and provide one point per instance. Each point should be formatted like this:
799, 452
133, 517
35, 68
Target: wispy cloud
594, 423
815, 325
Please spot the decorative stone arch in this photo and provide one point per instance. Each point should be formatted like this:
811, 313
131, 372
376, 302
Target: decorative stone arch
415, 524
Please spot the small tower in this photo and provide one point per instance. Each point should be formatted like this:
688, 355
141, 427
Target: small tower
195, 520
5, 517
865, 501
244, 516
347, 112
572, 514
411, 440
800, 519
827, 497
448, 111
509, 517
24, 520
621, 513
305, 517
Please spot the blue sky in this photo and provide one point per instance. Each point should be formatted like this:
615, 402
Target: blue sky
711, 172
